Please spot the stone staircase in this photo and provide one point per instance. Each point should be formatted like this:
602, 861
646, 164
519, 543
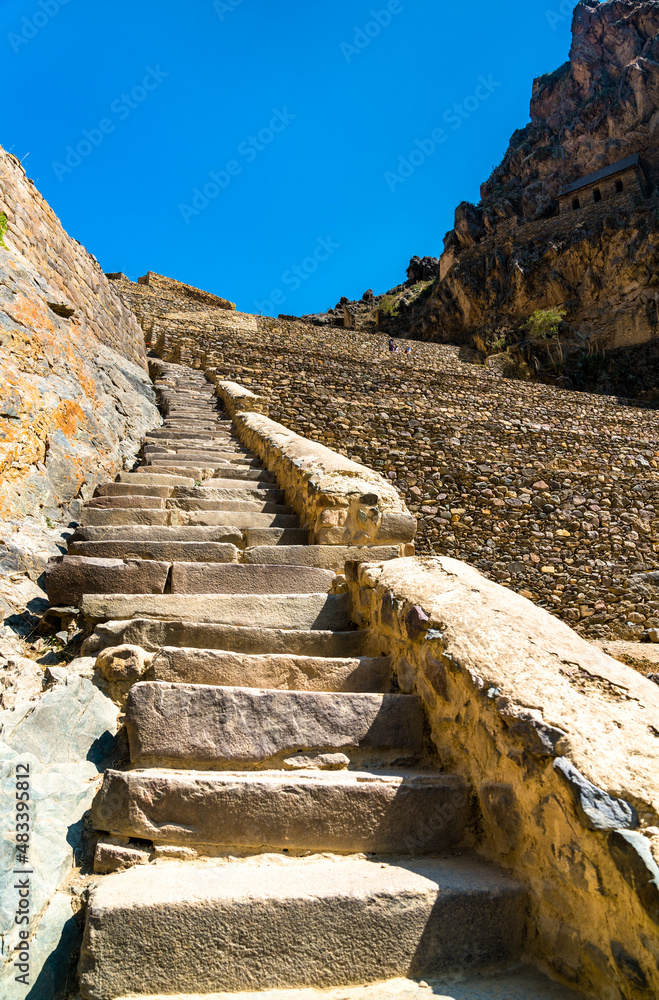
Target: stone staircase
283, 824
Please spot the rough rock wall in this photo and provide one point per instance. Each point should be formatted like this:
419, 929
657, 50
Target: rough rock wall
600, 262
75, 397
549, 492
69, 269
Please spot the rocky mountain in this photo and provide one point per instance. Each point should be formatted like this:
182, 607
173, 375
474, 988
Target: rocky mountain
570, 218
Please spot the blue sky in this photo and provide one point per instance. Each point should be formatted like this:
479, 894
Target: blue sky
280, 153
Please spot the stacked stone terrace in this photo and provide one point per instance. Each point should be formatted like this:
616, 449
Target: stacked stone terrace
283, 801
550, 492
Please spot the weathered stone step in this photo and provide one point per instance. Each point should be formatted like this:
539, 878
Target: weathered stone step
240, 518
139, 488
237, 484
133, 502
97, 516
247, 506
201, 457
69, 577
206, 492
171, 434
148, 533
332, 557
285, 672
195, 472
340, 811
153, 635
219, 578
199, 444
140, 478
329, 612
202, 726
325, 922
519, 983
191, 424
236, 472
276, 536
188, 552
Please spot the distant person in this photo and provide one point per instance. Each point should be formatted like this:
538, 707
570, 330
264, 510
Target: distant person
408, 352
391, 346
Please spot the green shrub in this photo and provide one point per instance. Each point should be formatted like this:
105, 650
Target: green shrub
3, 230
543, 325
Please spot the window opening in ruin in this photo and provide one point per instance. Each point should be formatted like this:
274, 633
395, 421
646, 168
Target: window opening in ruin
575, 203
597, 195
620, 187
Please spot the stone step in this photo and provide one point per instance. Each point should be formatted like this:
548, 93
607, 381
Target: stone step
276, 536
206, 458
344, 812
155, 533
284, 672
518, 983
232, 455
155, 479
133, 502
99, 517
332, 557
206, 492
236, 472
219, 578
174, 435
236, 484
171, 552
329, 612
153, 635
141, 488
189, 424
240, 518
69, 577
202, 726
326, 922
247, 506
197, 473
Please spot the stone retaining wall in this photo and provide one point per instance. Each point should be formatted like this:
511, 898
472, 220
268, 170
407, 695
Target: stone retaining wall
343, 503
561, 744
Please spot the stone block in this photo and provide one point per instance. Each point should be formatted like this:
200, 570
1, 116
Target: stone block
331, 557
217, 578
152, 635
345, 812
184, 725
69, 577
212, 552
269, 670
91, 517
330, 612
374, 920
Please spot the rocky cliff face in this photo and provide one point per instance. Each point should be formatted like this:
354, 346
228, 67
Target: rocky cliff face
514, 253
75, 396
